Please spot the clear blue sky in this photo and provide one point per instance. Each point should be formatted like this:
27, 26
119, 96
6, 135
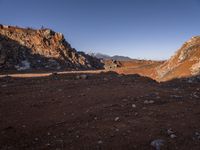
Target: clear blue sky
152, 29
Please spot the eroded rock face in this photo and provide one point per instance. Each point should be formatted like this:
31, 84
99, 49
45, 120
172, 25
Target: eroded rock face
185, 62
195, 69
39, 49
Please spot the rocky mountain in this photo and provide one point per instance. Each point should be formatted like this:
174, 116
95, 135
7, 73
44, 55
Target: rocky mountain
185, 62
107, 57
26, 48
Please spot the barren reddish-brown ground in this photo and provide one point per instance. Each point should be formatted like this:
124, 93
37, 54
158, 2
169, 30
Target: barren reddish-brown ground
60, 112
142, 67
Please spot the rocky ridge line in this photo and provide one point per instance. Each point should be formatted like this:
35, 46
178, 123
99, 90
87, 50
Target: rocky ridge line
26, 48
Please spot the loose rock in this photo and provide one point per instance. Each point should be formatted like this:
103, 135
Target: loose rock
82, 76
133, 105
157, 144
173, 136
117, 119
148, 102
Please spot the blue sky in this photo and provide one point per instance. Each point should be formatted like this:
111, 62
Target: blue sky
151, 29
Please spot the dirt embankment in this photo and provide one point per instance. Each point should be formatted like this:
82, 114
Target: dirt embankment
142, 67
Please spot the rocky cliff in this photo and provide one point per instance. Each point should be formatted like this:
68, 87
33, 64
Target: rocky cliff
22, 49
185, 62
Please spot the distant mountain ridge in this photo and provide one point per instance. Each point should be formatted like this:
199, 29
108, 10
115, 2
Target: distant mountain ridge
107, 57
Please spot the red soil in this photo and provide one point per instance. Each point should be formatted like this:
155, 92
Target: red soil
61, 112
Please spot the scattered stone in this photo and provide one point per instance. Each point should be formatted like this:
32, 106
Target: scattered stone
77, 77
124, 100
48, 133
151, 102
117, 119
194, 79
195, 95
197, 133
117, 130
54, 136
69, 96
133, 106
173, 136
82, 94
82, 76
148, 101
176, 96
169, 131
157, 144
157, 97
105, 79
4, 85
60, 90
196, 136
144, 108
100, 142
190, 80
23, 65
